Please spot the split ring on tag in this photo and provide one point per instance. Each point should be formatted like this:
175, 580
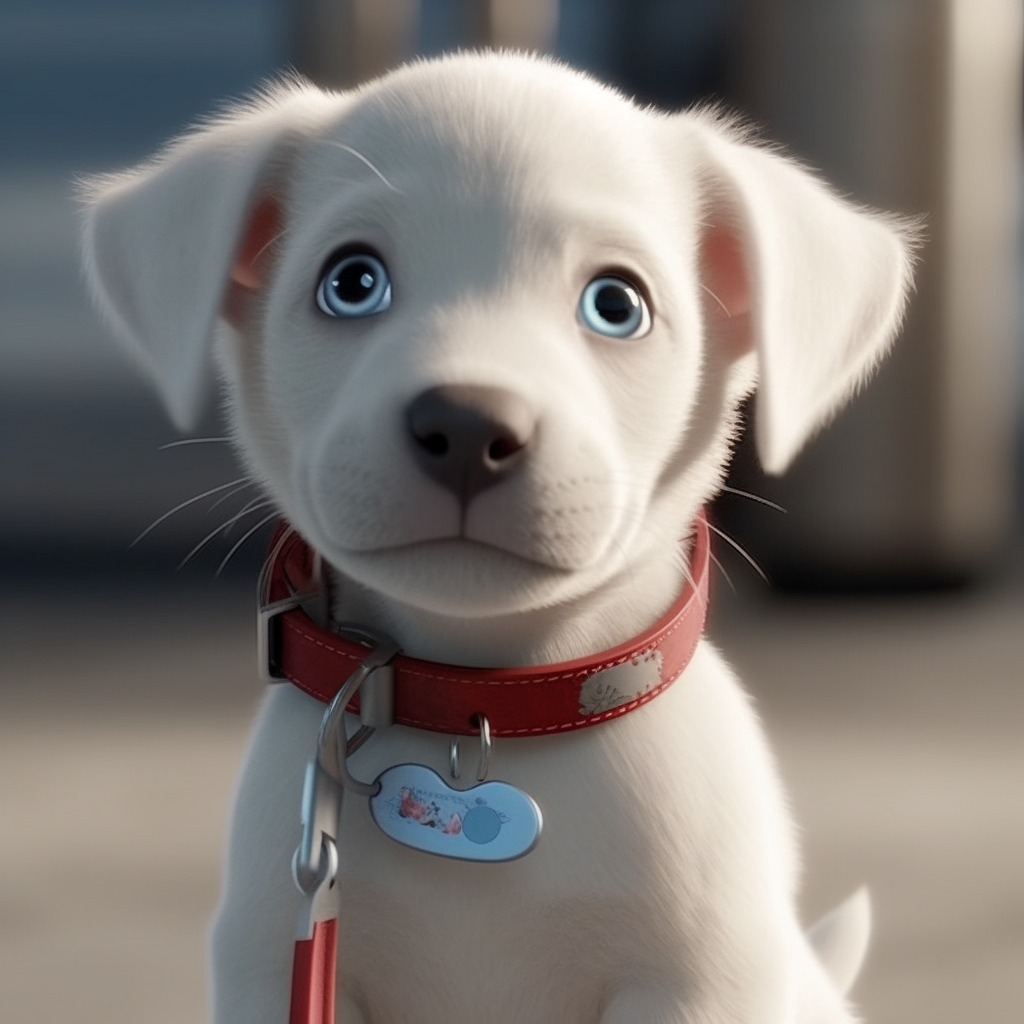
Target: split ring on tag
485, 750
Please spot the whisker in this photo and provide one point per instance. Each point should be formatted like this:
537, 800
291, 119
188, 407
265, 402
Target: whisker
193, 440
232, 493
213, 533
257, 503
753, 497
265, 247
760, 572
185, 504
245, 536
271, 558
721, 569
688, 563
359, 156
725, 308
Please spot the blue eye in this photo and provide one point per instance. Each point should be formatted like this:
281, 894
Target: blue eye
615, 308
355, 285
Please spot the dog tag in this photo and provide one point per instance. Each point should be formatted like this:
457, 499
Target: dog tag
490, 822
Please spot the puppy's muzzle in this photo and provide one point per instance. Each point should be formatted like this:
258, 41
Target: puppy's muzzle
469, 437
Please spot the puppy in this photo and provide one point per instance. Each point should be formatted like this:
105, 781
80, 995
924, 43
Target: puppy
483, 327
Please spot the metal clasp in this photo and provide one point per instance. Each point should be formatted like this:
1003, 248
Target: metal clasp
316, 858
327, 774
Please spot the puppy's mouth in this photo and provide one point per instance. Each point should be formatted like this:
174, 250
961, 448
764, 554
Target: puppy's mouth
455, 575
541, 541
456, 547
405, 541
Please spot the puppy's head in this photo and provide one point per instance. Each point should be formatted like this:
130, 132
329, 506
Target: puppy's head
485, 323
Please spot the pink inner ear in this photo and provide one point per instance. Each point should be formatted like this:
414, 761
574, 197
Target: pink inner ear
725, 273
725, 277
250, 266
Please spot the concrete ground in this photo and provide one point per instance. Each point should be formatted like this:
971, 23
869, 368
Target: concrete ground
897, 722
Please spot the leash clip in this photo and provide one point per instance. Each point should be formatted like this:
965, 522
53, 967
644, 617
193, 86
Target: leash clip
327, 774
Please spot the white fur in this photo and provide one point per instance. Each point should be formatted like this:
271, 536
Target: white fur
495, 187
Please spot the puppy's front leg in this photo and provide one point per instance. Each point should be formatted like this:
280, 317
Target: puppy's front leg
254, 931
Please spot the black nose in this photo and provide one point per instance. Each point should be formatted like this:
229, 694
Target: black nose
468, 437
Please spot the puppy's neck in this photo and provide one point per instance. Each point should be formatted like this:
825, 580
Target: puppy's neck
616, 612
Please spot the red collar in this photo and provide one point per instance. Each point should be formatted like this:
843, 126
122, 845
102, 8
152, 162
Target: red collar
530, 701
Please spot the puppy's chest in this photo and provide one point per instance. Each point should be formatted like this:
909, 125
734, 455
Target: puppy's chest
558, 921
616, 813
606, 893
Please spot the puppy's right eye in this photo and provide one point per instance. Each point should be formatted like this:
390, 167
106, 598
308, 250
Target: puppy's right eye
355, 285
614, 307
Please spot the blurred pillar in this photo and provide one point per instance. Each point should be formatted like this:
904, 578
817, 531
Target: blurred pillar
912, 106
340, 43
520, 24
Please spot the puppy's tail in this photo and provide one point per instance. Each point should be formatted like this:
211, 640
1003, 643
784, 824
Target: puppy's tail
840, 939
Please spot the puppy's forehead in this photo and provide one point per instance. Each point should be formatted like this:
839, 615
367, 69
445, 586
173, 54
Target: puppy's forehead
488, 129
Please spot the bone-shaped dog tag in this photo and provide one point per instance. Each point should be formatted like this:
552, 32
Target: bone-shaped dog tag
490, 822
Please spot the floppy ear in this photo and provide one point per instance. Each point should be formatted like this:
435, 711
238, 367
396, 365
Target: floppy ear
814, 285
163, 241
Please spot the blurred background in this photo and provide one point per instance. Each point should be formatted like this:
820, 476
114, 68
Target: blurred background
885, 654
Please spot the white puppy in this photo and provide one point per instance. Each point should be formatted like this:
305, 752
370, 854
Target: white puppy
483, 327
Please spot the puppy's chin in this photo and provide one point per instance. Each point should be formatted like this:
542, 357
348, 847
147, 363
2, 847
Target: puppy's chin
457, 577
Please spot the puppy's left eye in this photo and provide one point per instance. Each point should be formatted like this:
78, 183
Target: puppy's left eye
614, 307
355, 285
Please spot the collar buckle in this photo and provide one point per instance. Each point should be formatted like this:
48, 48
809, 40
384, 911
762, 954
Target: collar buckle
377, 682
315, 603
268, 635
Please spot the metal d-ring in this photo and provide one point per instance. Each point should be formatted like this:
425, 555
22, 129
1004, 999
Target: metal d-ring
485, 750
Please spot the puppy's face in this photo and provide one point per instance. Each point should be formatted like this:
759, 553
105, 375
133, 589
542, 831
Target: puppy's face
477, 345
489, 320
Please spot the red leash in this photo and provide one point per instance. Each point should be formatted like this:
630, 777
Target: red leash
314, 975
314, 963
